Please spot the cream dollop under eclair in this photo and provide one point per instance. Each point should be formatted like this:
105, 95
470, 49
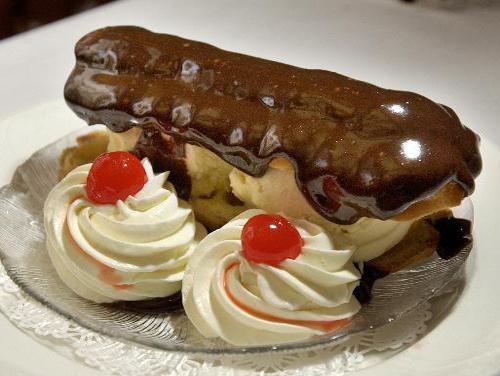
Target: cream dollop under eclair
256, 292
134, 249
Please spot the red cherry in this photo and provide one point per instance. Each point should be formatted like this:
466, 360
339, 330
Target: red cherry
115, 176
270, 239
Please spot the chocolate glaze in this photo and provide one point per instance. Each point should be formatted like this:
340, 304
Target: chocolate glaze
359, 150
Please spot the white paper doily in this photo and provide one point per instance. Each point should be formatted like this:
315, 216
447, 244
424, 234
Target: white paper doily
117, 357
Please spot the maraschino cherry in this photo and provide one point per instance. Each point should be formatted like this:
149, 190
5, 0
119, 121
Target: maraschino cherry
270, 239
115, 176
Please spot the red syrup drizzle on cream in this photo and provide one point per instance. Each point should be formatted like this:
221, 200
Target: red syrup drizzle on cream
106, 273
325, 326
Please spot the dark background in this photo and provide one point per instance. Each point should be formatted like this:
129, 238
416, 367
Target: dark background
17, 16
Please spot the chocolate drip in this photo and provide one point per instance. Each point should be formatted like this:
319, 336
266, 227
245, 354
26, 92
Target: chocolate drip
159, 305
454, 235
359, 150
363, 292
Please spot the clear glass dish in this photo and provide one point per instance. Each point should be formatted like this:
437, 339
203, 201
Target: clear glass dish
23, 253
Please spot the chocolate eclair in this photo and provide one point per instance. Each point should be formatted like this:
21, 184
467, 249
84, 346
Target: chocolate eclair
240, 132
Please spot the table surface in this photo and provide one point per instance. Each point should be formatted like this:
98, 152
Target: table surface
451, 56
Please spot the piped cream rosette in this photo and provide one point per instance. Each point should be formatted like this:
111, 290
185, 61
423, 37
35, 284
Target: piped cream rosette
136, 249
246, 303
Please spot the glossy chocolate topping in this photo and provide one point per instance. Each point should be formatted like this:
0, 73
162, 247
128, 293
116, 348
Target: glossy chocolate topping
359, 150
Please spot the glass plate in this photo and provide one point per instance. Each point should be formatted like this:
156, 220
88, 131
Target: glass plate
23, 253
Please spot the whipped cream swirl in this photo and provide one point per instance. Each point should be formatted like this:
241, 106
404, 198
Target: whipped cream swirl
136, 249
245, 303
